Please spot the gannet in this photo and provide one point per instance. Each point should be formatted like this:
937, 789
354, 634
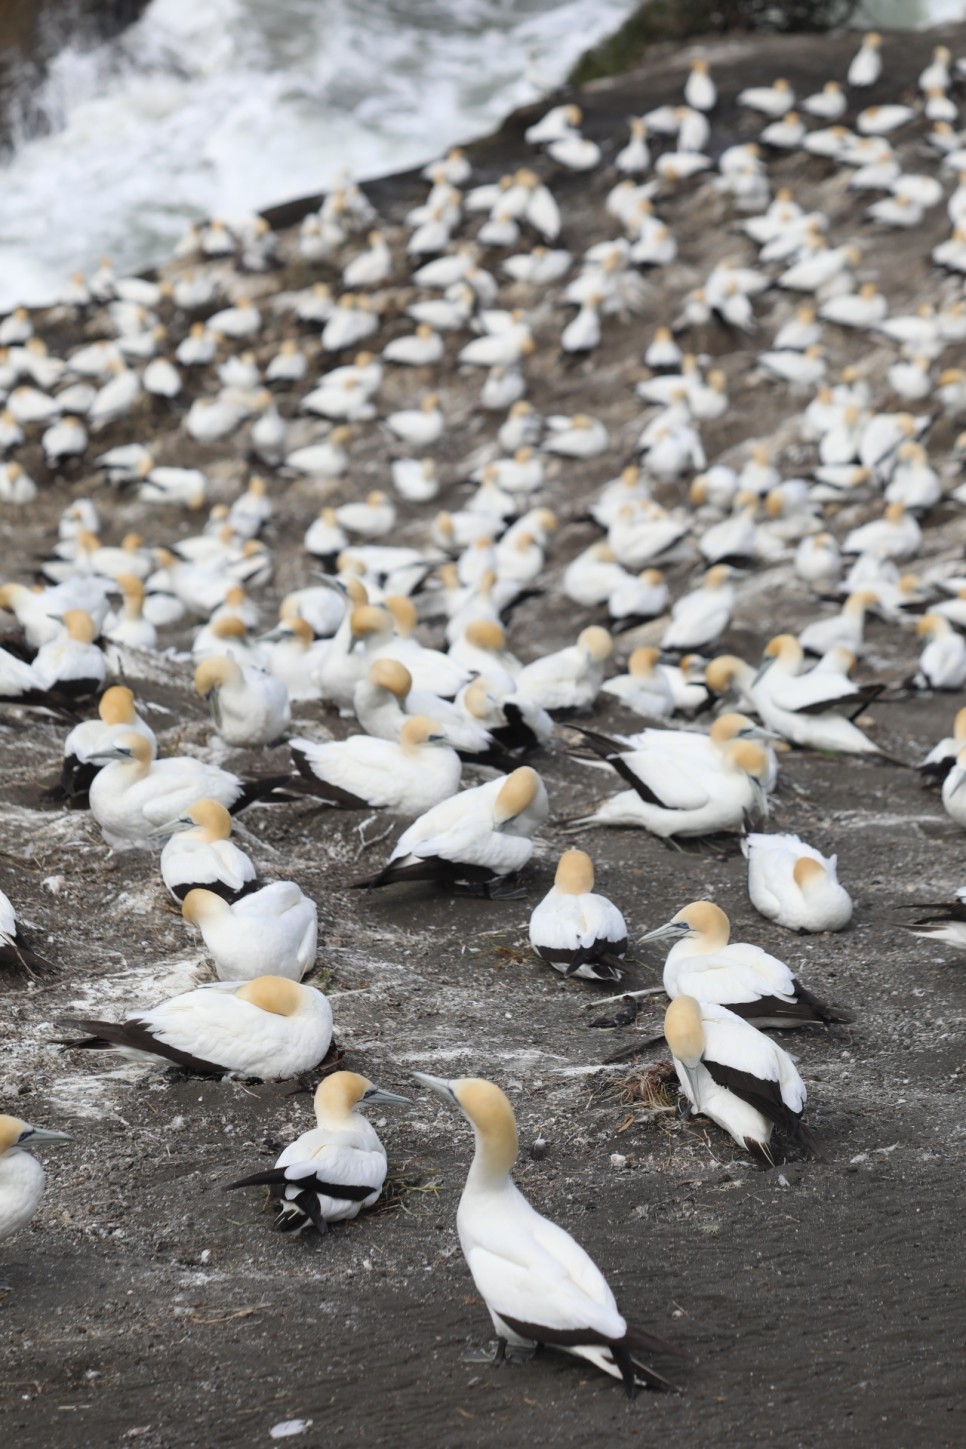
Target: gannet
644, 688
117, 715
538, 1284
737, 1076
476, 838
846, 629
941, 758
200, 853
946, 922
419, 427
266, 1027
405, 778
69, 666
794, 884
751, 983
866, 65
818, 561
385, 700
129, 627
273, 930
577, 931
337, 1168
942, 663
16, 950
800, 707
571, 678
698, 618
248, 706
21, 1175
690, 803
135, 793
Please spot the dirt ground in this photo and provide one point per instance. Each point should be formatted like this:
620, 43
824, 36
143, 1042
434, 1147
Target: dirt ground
813, 1302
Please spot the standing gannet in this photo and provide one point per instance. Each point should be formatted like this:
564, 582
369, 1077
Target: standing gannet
267, 1027
274, 930
571, 678
201, 854
336, 1169
135, 793
248, 706
758, 987
687, 802
737, 1076
129, 627
865, 66
117, 716
538, 1284
794, 884
405, 778
21, 1176
578, 932
16, 952
475, 838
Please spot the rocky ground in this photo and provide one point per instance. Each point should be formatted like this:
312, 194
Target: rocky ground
812, 1301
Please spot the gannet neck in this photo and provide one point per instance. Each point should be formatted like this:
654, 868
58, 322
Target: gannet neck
494, 1126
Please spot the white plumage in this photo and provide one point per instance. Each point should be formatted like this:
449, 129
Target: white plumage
799, 896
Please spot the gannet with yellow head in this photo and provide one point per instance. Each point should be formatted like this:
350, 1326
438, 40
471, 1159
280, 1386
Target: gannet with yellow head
273, 930
538, 1284
571, 678
337, 1168
117, 715
249, 707
794, 884
200, 853
21, 1175
406, 778
577, 931
269, 1027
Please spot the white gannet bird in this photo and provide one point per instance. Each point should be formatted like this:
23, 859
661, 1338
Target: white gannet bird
538, 1284
117, 716
644, 688
129, 627
418, 427
698, 618
200, 854
405, 778
744, 978
843, 630
273, 931
946, 922
385, 701
266, 1027
941, 758
942, 663
135, 793
68, 667
794, 884
688, 802
577, 931
866, 65
21, 1175
330, 1173
801, 707
248, 706
737, 1076
571, 678
772, 101
700, 92
475, 838
953, 800
16, 952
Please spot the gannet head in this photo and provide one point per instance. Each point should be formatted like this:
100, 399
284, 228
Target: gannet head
700, 919
207, 818
79, 625
213, 674
684, 1034
722, 672
420, 730
339, 1094
116, 705
17, 1135
516, 794
230, 626
784, 648
366, 620
127, 747
200, 906
391, 675
575, 873
404, 616
807, 872
642, 662
485, 634
597, 642
930, 626
488, 1111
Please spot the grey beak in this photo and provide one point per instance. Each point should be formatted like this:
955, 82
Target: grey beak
670, 928
763, 669
438, 1085
173, 827
389, 1099
43, 1134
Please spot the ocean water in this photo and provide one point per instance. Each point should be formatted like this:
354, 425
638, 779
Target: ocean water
219, 107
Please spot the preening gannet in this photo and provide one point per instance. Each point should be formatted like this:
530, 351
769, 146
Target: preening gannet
248, 706
337, 1168
737, 1076
538, 1284
200, 853
361, 773
794, 884
751, 983
267, 1027
271, 931
21, 1175
577, 931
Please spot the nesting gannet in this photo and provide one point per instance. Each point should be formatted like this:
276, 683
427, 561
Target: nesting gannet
942, 663
21, 1175
135, 793
405, 778
117, 715
538, 1284
691, 803
794, 884
801, 707
476, 838
954, 800
273, 930
698, 618
644, 688
266, 1027
845, 630
571, 678
737, 1076
758, 987
199, 853
248, 706
385, 700
941, 758
16, 951
337, 1168
577, 931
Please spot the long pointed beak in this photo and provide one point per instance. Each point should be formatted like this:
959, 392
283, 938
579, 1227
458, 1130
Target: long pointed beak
763, 669
438, 1085
758, 732
692, 1075
173, 827
44, 1134
670, 928
104, 755
390, 1099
